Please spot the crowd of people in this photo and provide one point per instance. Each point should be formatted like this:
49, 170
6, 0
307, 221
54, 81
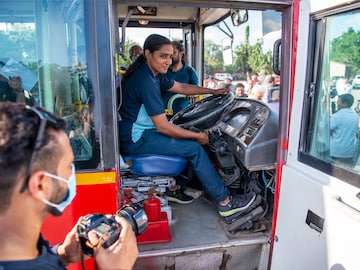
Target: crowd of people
267, 91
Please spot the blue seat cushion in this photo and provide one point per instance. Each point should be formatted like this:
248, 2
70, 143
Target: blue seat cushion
154, 165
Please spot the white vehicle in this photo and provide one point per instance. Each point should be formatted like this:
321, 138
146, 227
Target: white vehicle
223, 76
308, 214
356, 82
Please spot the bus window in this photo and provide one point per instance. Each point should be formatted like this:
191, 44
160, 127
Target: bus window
331, 142
43, 51
242, 49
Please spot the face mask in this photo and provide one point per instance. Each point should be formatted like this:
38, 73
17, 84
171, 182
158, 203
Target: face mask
71, 185
134, 58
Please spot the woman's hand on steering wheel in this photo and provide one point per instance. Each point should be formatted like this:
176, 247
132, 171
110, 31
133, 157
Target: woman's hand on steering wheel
204, 113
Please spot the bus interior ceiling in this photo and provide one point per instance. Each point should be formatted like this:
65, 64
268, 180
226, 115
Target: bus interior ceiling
160, 13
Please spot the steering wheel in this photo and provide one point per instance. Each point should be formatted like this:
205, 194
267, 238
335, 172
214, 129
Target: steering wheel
204, 113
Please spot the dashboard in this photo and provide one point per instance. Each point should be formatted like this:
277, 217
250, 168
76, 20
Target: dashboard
251, 131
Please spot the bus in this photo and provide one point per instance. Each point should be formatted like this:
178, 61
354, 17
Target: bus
69, 57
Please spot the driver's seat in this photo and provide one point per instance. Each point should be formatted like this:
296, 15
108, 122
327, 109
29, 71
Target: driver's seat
155, 165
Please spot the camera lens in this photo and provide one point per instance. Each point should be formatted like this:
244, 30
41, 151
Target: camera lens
136, 216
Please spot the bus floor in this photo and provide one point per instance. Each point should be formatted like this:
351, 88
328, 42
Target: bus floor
197, 228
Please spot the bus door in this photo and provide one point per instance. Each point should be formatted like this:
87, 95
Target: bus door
318, 218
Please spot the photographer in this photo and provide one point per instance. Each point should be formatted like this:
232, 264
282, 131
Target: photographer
37, 177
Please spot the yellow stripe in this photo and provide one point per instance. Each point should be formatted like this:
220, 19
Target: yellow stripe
95, 178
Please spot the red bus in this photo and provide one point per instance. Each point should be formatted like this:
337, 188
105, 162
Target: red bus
70, 56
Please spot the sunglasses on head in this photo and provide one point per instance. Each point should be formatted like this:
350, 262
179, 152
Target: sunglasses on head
46, 119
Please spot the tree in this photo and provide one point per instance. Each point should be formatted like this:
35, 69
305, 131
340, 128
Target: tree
251, 59
247, 58
257, 60
212, 57
346, 49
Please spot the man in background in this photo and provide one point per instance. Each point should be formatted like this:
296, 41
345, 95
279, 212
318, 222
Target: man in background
343, 129
134, 52
228, 84
180, 71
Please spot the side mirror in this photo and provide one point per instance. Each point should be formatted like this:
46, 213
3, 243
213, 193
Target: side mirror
276, 56
227, 51
239, 16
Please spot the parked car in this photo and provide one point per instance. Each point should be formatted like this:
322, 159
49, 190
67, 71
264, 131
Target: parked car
223, 76
356, 82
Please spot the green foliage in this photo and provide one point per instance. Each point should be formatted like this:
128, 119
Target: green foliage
247, 58
251, 57
212, 57
257, 60
346, 49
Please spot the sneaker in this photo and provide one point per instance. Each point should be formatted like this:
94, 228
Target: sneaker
178, 196
196, 194
236, 204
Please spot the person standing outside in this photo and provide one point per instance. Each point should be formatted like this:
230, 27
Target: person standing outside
180, 71
145, 129
249, 87
275, 101
269, 85
343, 129
38, 179
240, 90
257, 92
228, 84
134, 52
212, 82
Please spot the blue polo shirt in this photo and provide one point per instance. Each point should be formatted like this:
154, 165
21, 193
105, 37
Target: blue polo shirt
343, 126
185, 75
141, 99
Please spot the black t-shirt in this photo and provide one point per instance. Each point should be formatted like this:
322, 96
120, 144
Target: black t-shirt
47, 260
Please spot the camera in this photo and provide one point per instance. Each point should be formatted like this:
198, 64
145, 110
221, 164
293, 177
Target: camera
107, 229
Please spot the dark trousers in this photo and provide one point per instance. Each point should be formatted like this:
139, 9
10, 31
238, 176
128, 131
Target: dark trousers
153, 142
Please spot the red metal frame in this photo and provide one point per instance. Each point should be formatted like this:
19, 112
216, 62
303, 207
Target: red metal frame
284, 143
95, 193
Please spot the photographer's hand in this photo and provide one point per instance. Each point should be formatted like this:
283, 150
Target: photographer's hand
122, 254
70, 251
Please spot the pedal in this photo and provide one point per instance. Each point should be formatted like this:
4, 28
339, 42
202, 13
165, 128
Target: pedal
245, 222
236, 216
